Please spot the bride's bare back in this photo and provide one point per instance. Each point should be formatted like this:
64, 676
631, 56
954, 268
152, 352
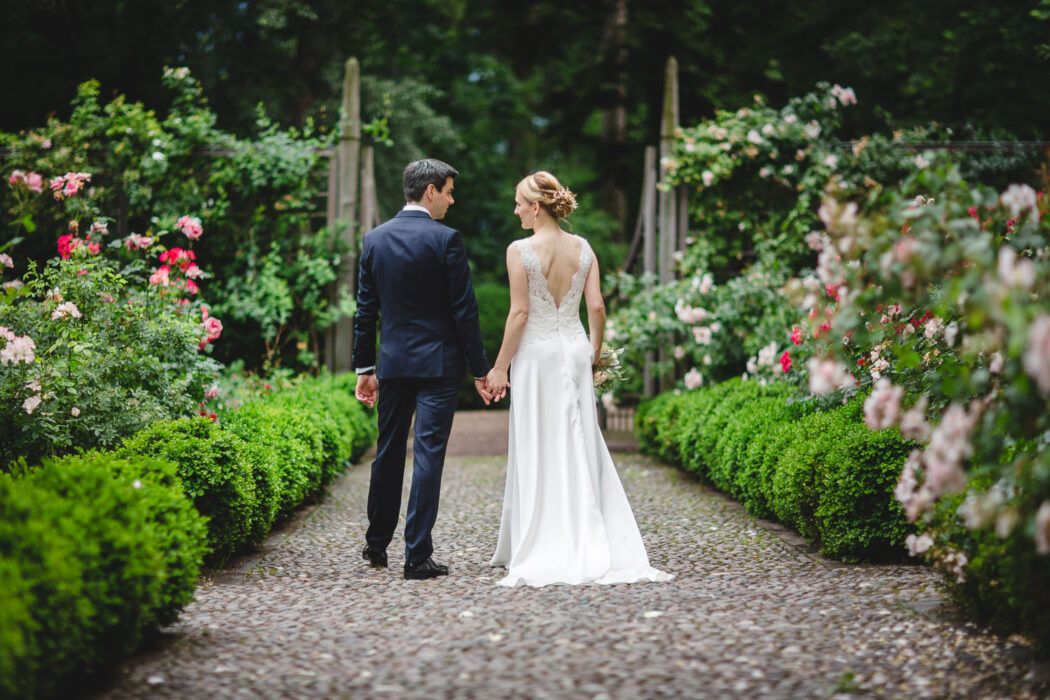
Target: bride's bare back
559, 261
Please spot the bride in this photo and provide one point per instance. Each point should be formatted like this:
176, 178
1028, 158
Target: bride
566, 518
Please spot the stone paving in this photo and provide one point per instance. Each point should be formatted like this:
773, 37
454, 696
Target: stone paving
752, 612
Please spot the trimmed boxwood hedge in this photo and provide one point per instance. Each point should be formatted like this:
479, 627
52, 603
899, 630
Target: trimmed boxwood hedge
95, 552
822, 472
98, 550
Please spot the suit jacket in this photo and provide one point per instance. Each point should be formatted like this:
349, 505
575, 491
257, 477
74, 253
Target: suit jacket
415, 279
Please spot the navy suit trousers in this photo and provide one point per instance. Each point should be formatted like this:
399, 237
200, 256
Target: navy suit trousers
433, 401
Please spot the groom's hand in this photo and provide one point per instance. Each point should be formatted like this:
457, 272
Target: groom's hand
483, 391
367, 391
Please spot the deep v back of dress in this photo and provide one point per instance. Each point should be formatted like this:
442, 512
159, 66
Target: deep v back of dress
566, 518
559, 261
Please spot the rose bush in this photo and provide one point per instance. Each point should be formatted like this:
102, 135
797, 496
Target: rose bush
257, 197
944, 307
101, 341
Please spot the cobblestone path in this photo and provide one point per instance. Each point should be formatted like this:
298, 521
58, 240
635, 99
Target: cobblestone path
752, 613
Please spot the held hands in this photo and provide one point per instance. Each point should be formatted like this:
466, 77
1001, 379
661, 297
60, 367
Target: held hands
497, 383
367, 391
481, 387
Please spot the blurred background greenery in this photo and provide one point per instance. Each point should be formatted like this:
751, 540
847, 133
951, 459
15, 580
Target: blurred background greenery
498, 92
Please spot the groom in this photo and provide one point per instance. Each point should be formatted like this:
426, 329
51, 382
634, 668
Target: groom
414, 275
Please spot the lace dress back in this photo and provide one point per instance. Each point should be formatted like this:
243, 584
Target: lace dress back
566, 518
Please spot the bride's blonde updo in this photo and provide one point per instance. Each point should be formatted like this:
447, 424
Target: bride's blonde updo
542, 187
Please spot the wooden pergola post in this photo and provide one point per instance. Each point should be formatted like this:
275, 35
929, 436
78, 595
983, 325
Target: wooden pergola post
348, 156
668, 195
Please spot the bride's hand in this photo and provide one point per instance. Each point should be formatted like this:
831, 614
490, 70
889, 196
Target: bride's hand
497, 383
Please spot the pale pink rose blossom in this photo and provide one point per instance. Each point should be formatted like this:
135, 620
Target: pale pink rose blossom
6, 260
693, 379
951, 331
949, 448
921, 162
17, 348
767, 356
845, 96
826, 376
609, 401
75, 412
66, 309
1042, 528
212, 392
995, 363
191, 226
31, 403
13, 284
17, 178
931, 327
679, 352
1021, 198
35, 182
137, 242
831, 161
1015, 272
768, 130
913, 498
702, 335
913, 421
707, 177
882, 407
1037, 353
956, 562
817, 240
918, 544
160, 276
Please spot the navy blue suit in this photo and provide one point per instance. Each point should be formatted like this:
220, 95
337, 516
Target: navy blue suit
414, 280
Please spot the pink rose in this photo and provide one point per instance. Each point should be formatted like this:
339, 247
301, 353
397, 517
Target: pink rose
796, 335
71, 188
6, 260
213, 327
191, 226
17, 178
192, 287
211, 393
161, 276
35, 181
785, 361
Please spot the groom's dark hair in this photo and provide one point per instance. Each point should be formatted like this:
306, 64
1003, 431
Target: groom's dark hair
420, 173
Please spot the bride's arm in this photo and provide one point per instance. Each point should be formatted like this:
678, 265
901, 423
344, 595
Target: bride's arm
516, 319
592, 291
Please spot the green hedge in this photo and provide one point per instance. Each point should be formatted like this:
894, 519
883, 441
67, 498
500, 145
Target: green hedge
822, 472
98, 550
94, 552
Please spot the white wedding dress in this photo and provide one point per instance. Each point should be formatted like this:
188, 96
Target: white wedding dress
566, 518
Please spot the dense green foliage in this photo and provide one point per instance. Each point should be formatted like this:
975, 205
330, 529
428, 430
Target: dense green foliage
821, 472
259, 200
98, 550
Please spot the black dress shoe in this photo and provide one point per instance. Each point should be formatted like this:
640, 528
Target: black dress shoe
375, 557
425, 569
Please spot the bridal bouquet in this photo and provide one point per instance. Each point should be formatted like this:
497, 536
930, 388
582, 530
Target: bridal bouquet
607, 370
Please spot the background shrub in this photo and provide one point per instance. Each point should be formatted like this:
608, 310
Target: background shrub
858, 516
822, 472
215, 473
